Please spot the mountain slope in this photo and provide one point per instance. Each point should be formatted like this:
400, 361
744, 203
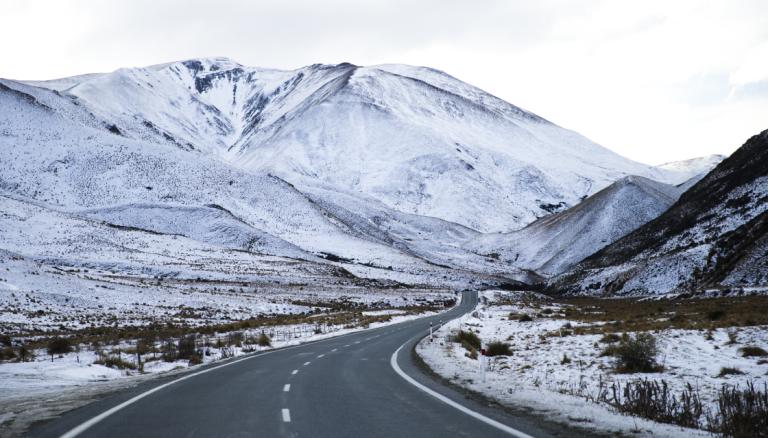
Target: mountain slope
416, 139
714, 235
554, 243
54, 151
693, 166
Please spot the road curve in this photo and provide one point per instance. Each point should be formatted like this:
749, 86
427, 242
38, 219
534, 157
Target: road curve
339, 387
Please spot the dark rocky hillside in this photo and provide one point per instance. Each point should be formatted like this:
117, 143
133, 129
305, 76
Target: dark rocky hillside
701, 241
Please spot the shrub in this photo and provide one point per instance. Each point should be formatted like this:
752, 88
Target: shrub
467, 338
25, 354
525, 318
235, 338
655, 400
195, 359
498, 348
264, 340
168, 351
186, 347
143, 347
753, 351
115, 362
715, 315
729, 371
565, 360
7, 353
58, 346
610, 338
741, 412
635, 354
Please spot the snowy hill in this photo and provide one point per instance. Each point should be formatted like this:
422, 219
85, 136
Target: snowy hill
87, 170
387, 171
714, 236
694, 166
554, 243
413, 138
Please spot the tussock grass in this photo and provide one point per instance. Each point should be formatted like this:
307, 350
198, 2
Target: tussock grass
115, 362
752, 351
498, 348
641, 315
730, 371
467, 337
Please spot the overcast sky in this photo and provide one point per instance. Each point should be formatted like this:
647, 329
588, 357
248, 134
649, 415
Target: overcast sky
653, 80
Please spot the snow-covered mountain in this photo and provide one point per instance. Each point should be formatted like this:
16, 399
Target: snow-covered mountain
381, 173
415, 139
694, 166
554, 243
58, 156
715, 235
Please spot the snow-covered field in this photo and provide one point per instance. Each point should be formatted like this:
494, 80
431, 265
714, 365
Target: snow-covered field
537, 376
49, 297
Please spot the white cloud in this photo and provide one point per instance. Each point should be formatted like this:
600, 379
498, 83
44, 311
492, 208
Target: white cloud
653, 80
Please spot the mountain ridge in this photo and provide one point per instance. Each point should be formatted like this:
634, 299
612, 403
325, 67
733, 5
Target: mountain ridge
423, 132
697, 243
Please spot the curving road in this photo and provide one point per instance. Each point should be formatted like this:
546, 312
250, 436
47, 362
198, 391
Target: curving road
358, 385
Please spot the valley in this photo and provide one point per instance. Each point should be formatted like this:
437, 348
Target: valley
160, 220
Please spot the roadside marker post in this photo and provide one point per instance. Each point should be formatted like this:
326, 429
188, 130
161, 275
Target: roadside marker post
430, 331
482, 364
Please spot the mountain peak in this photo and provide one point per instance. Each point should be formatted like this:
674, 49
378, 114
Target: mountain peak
210, 64
405, 135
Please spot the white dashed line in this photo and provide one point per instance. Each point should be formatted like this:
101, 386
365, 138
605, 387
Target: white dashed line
95, 420
335, 349
307, 363
294, 372
357, 342
286, 416
320, 356
286, 387
347, 345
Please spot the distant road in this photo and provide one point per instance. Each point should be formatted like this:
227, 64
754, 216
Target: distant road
346, 386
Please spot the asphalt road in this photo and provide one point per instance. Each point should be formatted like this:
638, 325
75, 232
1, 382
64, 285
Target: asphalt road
339, 387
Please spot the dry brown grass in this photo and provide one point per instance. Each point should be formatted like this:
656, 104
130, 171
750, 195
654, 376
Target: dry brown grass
633, 315
112, 335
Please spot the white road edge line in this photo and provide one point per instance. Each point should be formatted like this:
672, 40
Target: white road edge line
451, 403
286, 416
286, 387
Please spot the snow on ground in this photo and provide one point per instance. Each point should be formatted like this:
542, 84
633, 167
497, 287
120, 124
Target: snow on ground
535, 375
384, 312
